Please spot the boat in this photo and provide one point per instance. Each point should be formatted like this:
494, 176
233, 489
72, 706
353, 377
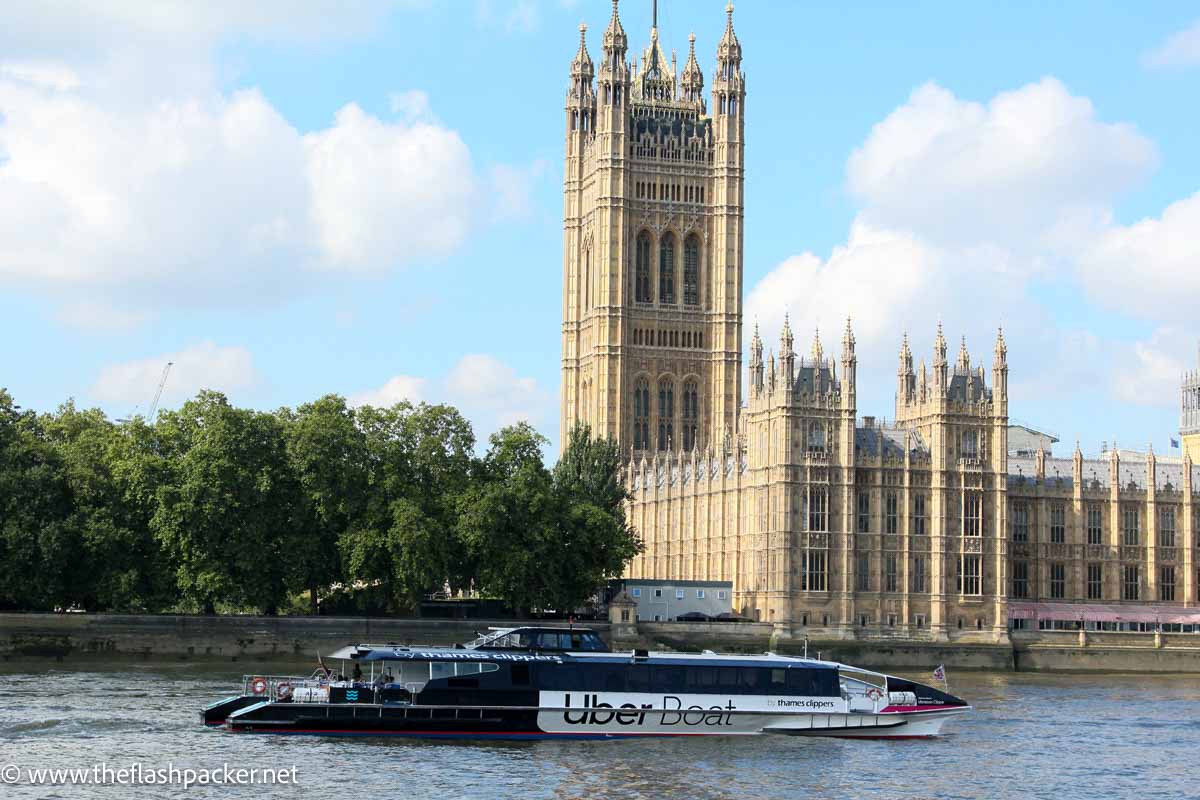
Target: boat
564, 682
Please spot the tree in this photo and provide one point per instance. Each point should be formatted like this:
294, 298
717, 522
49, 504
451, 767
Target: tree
507, 521
542, 539
328, 455
595, 537
125, 565
40, 556
226, 506
419, 463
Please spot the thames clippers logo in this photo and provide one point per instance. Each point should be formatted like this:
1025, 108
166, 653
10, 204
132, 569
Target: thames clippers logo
672, 712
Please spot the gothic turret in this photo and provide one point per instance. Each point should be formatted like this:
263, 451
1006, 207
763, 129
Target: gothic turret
756, 362
729, 49
615, 42
787, 355
939, 361
728, 85
849, 368
906, 383
692, 80
964, 358
1000, 374
581, 99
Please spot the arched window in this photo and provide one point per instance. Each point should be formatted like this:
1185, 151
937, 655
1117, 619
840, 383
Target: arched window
691, 271
816, 437
641, 414
970, 444
666, 413
666, 270
691, 414
642, 270
587, 278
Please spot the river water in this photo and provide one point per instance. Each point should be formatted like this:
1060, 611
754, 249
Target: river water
1052, 736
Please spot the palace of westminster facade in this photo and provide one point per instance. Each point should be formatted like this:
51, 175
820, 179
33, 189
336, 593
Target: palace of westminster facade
941, 524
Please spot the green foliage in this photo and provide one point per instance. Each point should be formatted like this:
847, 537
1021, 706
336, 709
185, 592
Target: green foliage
542, 539
419, 462
39, 545
328, 456
222, 509
227, 507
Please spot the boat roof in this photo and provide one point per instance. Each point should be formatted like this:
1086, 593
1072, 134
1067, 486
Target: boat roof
659, 658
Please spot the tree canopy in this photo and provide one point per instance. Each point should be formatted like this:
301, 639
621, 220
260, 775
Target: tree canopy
216, 508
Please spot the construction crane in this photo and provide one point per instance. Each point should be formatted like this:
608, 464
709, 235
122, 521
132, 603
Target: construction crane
158, 394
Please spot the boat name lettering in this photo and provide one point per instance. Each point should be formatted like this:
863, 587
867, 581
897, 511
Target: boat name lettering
806, 703
411, 655
672, 712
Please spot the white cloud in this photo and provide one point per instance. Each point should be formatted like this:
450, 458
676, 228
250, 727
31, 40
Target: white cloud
989, 214
1181, 49
140, 187
1150, 268
396, 390
489, 392
1148, 372
384, 193
45, 74
957, 171
487, 388
216, 200
203, 366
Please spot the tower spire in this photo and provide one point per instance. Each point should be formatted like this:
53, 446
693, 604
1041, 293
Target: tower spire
615, 42
692, 80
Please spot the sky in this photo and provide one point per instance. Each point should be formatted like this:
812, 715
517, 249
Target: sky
288, 199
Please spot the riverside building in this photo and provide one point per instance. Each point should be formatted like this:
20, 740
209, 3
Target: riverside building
923, 527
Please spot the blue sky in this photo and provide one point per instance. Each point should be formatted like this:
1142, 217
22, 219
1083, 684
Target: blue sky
289, 199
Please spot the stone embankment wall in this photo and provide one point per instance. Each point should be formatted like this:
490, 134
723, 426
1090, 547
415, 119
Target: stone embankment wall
231, 638
90, 637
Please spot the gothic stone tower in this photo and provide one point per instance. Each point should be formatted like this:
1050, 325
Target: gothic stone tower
1189, 423
652, 245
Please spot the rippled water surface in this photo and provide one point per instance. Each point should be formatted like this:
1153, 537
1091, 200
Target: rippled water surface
1031, 736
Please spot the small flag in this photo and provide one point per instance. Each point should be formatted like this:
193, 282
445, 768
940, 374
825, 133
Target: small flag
1175, 443
940, 673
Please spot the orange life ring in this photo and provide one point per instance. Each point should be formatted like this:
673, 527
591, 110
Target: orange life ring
283, 690
258, 686
875, 694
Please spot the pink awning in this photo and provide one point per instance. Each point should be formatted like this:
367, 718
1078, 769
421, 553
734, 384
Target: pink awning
1098, 612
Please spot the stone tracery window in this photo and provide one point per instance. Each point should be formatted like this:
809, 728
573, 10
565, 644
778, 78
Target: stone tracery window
691, 414
666, 413
642, 270
691, 271
666, 270
641, 414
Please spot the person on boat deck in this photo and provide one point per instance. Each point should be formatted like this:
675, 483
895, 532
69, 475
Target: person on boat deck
384, 678
358, 675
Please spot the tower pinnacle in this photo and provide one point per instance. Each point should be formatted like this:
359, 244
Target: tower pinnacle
615, 42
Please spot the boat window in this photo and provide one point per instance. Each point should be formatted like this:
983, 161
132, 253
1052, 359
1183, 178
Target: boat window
637, 678
593, 643
702, 678
738, 679
778, 678
668, 678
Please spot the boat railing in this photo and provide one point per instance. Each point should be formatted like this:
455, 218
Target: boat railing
494, 637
